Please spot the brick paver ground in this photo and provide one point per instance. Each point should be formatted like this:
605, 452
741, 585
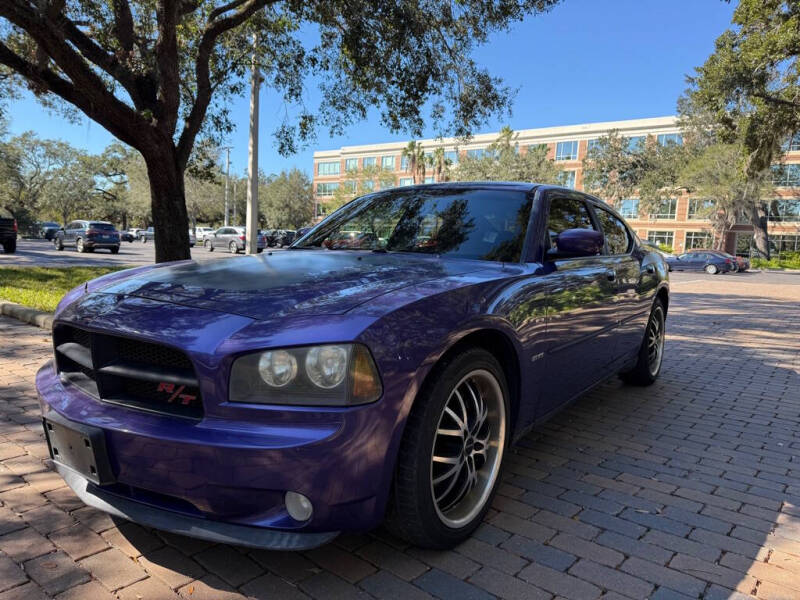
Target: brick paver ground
687, 489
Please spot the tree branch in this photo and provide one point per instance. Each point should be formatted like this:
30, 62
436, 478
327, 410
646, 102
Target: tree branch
775, 100
213, 30
224, 8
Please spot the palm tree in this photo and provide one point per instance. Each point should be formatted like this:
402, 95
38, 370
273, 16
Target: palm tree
415, 156
439, 164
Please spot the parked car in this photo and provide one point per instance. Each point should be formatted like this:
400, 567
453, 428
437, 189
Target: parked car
8, 231
301, 232
284, 237
709, 262
48, 229
275, 401
192, 238
134, 231
146, 235
740, 263
88, 236
126, 236
233, 239
202, 232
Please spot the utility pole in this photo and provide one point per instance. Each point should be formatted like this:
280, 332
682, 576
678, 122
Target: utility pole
235, 220
227, 176
251, 246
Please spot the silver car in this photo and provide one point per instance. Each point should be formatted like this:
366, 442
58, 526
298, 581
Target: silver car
231, 238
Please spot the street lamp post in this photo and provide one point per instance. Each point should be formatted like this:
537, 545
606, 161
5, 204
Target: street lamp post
227, 176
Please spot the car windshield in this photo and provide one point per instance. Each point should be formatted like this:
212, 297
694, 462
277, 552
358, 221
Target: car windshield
103, 226
480, 224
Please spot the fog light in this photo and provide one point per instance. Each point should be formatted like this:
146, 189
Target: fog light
298, 506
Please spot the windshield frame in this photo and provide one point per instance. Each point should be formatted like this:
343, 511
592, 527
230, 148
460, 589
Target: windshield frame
334, 220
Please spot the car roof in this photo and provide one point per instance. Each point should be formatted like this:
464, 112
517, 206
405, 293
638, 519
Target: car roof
460, 185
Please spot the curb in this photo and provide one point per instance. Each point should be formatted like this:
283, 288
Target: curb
31, 316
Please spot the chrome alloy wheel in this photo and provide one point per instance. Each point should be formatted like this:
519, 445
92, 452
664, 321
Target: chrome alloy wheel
468, 448
655, 340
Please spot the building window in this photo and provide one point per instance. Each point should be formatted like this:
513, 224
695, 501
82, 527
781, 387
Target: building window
476, 152
629, 208
404, 163
429, 179
387, 162
328, 168
786, 242
593, 144
784, 209
385, 185
792, 144
368, 185
406, 181
537, 148
350, 186
567, 150
665, 210
700, 209
665, 139
327, 189
662, 238
636, 143
568, 179
452, 156
351, 164
698, 239
786, 175
369, 161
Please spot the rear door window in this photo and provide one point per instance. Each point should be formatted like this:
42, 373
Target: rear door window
567, 213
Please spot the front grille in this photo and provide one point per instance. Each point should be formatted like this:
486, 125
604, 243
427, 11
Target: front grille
128, 372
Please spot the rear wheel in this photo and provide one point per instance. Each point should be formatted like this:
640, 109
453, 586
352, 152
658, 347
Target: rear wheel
208, 246
651, 352
233, 248
10, 247
58, 243
79, 245
711, 269
449, 462
115, 250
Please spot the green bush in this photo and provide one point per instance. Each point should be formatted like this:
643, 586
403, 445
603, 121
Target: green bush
787, 260
665, 248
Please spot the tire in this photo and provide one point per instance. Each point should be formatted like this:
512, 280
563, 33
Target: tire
208, 246
428, 505
79, 245
58, 243
10, 247
711, 269
233, 248
648, 365
259, 250
115, 250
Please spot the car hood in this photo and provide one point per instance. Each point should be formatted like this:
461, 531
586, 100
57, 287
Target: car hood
294, 282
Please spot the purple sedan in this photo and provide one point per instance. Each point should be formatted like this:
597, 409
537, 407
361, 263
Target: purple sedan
351, 380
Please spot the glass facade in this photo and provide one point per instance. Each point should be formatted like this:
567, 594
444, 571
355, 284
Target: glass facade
567, 150
327, 189
786, 175
351, 164
328, 168
785, 209
369, 161
665, 210
698, 239
665, 238
670, 138
387, 162
629, 208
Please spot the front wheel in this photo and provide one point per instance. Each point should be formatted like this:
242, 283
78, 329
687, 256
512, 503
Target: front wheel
449, 463
10, 247
79, 245
58, 243
711, 269
651, 352
208, 245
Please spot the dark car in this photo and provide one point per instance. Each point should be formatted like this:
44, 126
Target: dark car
232, 239
280, 399
710, 262
301, 232
285, 237
740, 263
88, 236
8, 231
48, 229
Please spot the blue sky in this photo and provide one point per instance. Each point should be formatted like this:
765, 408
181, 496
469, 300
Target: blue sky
587, 60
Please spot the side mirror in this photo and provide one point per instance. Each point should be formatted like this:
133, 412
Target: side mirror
574, 243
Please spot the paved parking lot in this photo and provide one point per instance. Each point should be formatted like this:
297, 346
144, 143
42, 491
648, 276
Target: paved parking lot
687, 489
41, 253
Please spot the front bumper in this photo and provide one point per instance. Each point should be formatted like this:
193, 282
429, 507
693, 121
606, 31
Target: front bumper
226, 480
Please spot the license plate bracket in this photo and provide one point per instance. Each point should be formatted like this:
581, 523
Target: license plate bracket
79, 447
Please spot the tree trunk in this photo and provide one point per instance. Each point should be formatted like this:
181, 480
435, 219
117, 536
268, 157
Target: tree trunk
168, 206
758, 218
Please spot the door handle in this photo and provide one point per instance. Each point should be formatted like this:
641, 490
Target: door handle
611, 275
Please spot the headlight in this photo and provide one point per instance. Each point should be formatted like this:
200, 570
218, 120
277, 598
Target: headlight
325, 375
